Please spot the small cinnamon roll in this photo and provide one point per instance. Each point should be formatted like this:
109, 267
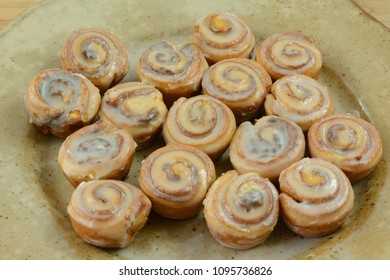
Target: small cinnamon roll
223, 35
202, 122
241, 211
287, 53
137, 107
268, 147
60, 102
349, 142
240, 83
97, 151
316, 197
300, 99
176, 179
175, 69
108, 213
98, 55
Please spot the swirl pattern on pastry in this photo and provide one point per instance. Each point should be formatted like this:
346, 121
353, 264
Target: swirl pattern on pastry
287, 53
137, 107
240, 83
222, 36
97, 151
202, 122
349, 142
300, 99
98, 55
175, 69
176, 179
60, 102
241, 211
108, 213
267, 147
316, 197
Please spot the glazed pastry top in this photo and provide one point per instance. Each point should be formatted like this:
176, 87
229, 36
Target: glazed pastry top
113, 210
136, 106
59, 99
315, 194
222, 36
172, 67
96, 150
299, 98
200, 121
177, 173
241, 211
289, 53
351, 143
98, 55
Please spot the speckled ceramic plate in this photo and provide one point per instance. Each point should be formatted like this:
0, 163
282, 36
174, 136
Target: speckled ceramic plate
34, 223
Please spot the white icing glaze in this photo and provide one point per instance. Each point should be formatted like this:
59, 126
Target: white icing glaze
176, 179
299, 98
267, 147
223, 35
351, 143
172, 68
97, 151
97, 54
241, 210
61, 101
289, 53
315, 193
202, 122
135, 106
108, 213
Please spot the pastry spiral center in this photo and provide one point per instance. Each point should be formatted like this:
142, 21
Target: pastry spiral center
248, 196
140, 108
314, 178
94, 52
201, 117
167, 60
315, 183
59, 91
94, 55
300, 93
103, 200
248, 200
174, 176
219, 24
175, 171
290, 54
236, 79
342, 137
97, 149
270, 143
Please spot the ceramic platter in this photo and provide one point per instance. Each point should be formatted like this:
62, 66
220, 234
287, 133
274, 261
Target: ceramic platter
34, 223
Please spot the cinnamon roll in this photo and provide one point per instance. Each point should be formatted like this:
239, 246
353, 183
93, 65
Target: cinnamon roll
137, 107
240, 83
108, 213
351, 143
202, 122
175, 69
97, 151
98, 55
176, 179
268, 147
316, 197
223, 35
300, 99
60, 102
289, 53
241, 211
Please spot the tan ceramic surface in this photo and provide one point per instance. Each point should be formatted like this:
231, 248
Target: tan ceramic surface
34, 193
